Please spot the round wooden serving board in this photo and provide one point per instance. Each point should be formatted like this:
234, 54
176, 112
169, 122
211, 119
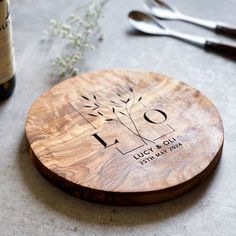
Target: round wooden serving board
124, 137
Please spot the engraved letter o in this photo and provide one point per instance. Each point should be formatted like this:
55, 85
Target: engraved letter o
148, 119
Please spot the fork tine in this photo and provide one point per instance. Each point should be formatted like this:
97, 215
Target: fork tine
158, 3
150, 3
161, 3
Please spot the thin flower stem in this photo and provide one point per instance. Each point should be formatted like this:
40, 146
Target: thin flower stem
131, 129
120, 121
131, 107
131, 119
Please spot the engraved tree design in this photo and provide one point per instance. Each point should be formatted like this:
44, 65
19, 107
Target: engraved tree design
116, 109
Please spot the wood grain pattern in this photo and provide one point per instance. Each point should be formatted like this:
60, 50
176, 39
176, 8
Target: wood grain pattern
124, 137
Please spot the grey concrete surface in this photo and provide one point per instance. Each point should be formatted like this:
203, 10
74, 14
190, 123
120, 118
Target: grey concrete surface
29, 205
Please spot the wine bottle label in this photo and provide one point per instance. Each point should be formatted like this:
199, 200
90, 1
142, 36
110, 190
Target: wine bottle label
7, 67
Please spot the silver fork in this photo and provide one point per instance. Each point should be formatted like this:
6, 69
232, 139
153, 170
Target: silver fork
162, 10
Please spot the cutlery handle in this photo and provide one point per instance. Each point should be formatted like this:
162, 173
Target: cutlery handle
225, 29
220, 47
197, 21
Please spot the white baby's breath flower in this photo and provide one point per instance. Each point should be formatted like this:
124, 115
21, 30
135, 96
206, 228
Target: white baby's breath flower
78, 33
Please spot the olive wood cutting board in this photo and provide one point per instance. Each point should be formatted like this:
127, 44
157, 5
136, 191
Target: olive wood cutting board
124, 137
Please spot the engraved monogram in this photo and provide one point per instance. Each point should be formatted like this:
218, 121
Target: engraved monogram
125, 110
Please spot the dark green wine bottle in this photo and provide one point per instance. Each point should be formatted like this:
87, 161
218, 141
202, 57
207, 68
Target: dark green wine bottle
7, 64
